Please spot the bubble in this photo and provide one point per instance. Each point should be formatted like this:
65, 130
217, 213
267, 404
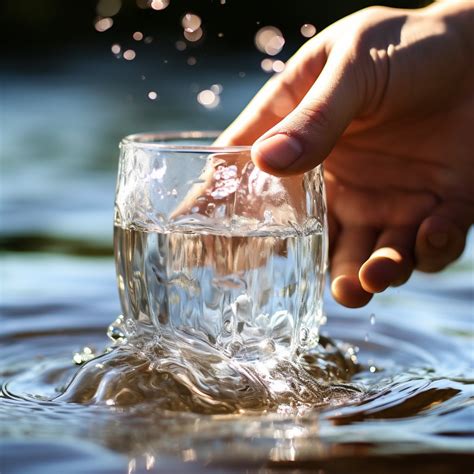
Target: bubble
103, 24
191, 61
191, 22
108, 7
216, 88
193, 35
220, 35
308, 30
372, 369
159, 4
278, 66
241, 74
148, 39
152, 95
116, 48
129, 55
269, 40
208, 99
137, 36
372, 319
180, 45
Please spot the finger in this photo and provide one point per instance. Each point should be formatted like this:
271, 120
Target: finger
392, 262
305, 137
353, 247
280, 95
442, 236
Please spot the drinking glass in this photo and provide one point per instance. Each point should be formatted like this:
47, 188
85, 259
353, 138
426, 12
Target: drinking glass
213, 253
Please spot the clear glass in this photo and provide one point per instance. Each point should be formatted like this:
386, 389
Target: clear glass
212, 252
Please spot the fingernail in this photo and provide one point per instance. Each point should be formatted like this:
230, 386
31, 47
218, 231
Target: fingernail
438, 239
279, 151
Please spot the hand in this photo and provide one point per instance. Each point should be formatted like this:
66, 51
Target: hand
386, 98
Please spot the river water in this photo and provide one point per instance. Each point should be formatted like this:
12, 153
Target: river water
407, 356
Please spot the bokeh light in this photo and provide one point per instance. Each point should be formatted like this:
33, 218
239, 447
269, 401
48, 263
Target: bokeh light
208, 99
137, 36
180, 45
191, 22
103, 24
193, 36
269, 40
152, 95
267, 65
129, 55
216, 88
108, 7
278, 66
308, 30
159, 4
116, 48
191, 61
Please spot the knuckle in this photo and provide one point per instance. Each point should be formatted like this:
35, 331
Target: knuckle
314, 119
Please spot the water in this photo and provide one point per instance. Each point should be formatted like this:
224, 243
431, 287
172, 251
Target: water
407, 378
217, 323
248, 296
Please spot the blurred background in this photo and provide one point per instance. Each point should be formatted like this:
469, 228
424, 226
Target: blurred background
77, 76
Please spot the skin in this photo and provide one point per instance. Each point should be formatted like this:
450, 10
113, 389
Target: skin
385, 97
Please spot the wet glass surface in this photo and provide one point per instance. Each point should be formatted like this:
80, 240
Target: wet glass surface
413, 346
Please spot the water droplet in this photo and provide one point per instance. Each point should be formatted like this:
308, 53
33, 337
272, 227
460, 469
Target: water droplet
191, 61
194, 210
137, 36
152, 95
241, 74
174, 192
129, 55
208, 99
220, 35
303, 335
372, 319
180, 45
267, 65
372, 369
103, 24
159, 4
269, 40
193, 36
216, 88
108, 7
278, 66
148, 39
116, 48
190, 22
308, 30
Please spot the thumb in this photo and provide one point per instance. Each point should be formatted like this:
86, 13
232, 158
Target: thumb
306, 136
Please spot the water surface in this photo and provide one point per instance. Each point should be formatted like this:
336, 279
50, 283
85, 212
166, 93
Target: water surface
413, 346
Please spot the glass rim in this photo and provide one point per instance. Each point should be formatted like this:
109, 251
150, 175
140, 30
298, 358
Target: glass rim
157, 141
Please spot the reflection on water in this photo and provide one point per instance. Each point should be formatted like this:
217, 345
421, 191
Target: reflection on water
411, 370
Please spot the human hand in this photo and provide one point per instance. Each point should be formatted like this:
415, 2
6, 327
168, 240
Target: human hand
386, 98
